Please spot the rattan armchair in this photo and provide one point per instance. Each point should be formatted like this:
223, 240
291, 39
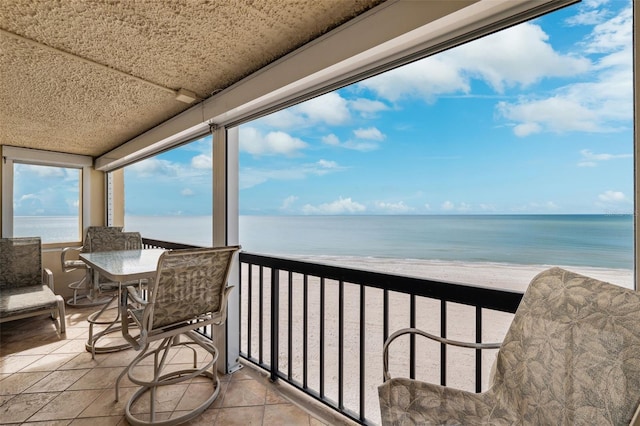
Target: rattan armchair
570, 357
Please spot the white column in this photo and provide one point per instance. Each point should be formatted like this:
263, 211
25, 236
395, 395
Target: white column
225, 232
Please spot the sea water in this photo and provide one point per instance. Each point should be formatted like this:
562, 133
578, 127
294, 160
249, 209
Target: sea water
604, 241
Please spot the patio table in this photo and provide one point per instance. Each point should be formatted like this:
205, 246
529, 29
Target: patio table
124, 267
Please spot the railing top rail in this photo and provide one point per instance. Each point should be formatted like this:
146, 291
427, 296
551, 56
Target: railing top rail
484, 297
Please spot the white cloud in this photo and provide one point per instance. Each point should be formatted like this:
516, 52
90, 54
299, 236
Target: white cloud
273, 143
202, 161
394, 208
41, 171
331, 140
154, 167
288, 202
355, 145
613, 34
339, 206
371, 133
612, 196
604, 104
589, 159
187, 192
447, 205
331, 109
250, 177
520, 55
367, 108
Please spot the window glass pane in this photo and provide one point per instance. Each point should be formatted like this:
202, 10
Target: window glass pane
46, 203
514, 150
168, 197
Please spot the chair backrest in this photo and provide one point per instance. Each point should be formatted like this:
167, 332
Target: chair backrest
95, 236
189, 283
20, 262
112, 240
572, 353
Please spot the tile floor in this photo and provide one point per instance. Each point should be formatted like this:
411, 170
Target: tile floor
46, 379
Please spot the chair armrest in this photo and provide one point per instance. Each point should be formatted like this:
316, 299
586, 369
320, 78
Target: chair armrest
401, 332
131, 291
70, 265
47, 277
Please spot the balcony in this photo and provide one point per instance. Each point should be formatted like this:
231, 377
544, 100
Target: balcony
311, 342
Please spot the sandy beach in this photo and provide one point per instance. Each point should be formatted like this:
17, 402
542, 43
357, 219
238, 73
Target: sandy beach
460, 323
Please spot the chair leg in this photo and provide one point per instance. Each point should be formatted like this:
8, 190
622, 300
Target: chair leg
59, 314
160, 355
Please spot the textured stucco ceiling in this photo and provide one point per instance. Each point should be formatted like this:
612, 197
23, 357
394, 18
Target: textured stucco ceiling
55, 101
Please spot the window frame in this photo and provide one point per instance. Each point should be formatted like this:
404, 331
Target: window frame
12, 155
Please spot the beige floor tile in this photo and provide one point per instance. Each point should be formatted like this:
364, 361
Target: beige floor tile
48, 423
57, 381
315, 422
67, 405
105, 405
167, 398
284, 414
74, 346
17, 383
101, 378
195, 395
243, 393
80, 361
240, 416
208, 417
21, 407
15, 363
223, 389
35, 346
274, 397
49, 362
98, 421
53, 381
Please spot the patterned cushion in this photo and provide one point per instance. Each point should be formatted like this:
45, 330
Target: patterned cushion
570, 357
20, 262
22, 300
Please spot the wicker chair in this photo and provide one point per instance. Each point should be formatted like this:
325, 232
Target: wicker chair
570, 357
83, 290
189, 292
26, 288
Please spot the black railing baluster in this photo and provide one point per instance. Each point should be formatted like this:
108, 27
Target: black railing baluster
305, 330
443, 347
275, 315
412, 337
478, 351
290, 323
239, 305
250, 311
261, 316
341, 345
322, 313
363, 349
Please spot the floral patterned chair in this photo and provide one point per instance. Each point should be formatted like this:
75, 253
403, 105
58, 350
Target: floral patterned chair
26, 288
570, 357
83, 291
189, 292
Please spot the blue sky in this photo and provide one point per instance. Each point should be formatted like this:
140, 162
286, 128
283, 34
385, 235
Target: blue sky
535, 119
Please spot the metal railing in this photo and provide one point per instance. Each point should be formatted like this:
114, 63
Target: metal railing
291, 310
289, 307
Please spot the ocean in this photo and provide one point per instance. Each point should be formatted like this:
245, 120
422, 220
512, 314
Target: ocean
604, 241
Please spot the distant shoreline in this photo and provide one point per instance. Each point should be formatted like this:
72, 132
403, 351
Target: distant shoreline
487, 274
